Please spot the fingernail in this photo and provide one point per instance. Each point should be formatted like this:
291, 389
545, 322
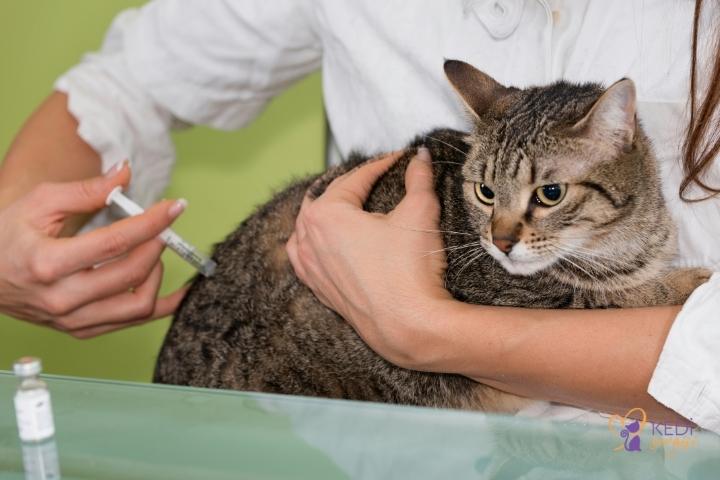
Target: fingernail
177, 208
116, 168
423, 154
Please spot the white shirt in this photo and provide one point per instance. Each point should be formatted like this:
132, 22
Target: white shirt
218, 63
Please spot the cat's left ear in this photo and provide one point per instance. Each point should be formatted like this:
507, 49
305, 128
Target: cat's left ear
613, 117
478, 90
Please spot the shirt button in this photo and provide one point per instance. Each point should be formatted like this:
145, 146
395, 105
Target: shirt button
500, 17
556, 17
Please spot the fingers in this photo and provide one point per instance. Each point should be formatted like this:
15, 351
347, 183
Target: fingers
61, 257
355, 186
130, 306
292, 251
300, 229
91, 332
55, 284
81, 196
303, 274
164, 306
167, 305
125, 307
86, 286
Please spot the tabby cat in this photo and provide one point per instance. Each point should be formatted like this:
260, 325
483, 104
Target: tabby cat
554, 201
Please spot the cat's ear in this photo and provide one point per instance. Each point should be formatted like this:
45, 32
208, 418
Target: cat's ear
613, 117
478, 90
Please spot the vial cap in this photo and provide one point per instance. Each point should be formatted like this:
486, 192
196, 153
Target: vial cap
27, 366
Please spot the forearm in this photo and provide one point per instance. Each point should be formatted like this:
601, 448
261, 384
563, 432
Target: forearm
47, 148
597, 359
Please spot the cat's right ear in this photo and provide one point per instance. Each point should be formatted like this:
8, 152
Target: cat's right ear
613, 117
478, 90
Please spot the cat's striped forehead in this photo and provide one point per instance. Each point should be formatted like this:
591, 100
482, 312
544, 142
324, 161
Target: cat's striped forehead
512, 142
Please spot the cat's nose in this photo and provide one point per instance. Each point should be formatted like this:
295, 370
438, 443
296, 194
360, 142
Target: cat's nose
505, 233
505, 244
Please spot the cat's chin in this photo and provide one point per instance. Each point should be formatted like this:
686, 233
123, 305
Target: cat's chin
525, 268
518, 263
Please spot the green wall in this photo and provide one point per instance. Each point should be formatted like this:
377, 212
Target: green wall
223, 175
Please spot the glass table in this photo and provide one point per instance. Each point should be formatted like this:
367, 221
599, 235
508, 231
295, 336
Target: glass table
118, 430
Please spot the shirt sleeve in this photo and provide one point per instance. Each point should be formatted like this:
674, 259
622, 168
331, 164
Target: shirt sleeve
174, 63
687, 376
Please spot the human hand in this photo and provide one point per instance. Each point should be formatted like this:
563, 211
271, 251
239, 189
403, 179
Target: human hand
382, 273
90, 284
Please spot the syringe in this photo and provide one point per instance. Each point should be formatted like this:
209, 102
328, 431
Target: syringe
188, 253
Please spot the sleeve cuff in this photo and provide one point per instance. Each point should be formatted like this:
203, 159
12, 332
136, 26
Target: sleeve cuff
687, 376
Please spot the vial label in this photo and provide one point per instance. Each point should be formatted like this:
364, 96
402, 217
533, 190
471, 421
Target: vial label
34, 415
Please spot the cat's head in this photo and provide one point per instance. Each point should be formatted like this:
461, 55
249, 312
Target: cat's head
556, 175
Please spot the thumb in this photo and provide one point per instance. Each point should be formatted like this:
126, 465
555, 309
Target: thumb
420, 206
87, 195
419, 173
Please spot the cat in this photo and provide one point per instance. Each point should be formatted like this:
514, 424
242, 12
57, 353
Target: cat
552, 201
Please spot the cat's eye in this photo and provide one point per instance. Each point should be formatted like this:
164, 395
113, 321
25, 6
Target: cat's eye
484, 194
550, 195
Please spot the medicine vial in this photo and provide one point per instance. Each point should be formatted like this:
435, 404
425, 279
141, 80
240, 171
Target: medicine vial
32, 402
41, 460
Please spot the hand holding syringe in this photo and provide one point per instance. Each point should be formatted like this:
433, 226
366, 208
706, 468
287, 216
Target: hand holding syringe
186, 251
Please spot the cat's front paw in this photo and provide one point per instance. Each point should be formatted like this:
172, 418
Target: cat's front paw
684, 281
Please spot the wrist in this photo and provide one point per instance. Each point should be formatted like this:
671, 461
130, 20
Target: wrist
479, 341
456, 338
417, 338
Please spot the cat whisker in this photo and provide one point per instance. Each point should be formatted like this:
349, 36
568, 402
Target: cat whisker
444, 143
465, 255
421, 230
591, 262
480, 254
569, 273
602, 263
606, 256
462, 256
592, 254
448, 163
594, 266
572, 253
568, 258
449, 249
607, 263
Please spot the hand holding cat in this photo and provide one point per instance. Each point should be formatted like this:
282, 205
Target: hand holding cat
56, 282
382, 273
